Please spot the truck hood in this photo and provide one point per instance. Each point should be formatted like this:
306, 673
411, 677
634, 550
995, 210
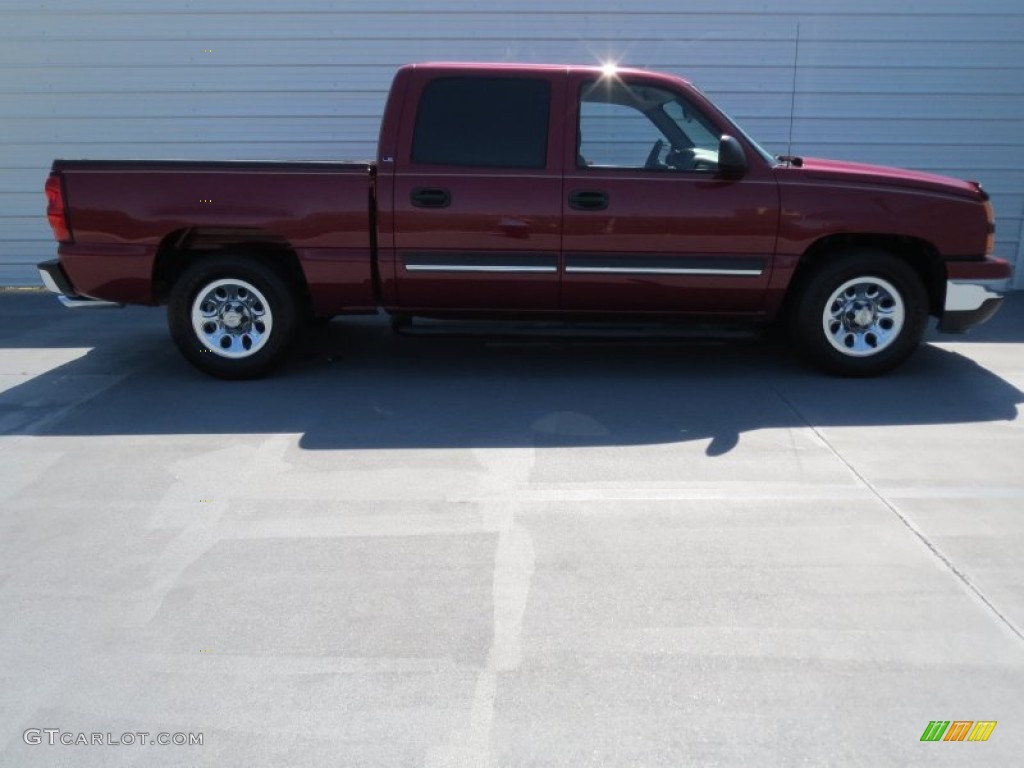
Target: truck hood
838, 170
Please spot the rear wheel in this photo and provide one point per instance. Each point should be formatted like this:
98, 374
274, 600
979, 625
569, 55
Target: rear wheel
232, 317
860, 313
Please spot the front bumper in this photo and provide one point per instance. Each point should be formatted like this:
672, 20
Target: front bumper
53, 277
972, 305
974, 292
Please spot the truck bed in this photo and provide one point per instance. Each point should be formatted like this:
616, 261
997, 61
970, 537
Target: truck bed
129, 213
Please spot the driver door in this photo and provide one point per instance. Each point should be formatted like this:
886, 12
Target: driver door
649, 225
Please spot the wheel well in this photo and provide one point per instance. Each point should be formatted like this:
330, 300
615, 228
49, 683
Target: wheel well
921, 255
182, 248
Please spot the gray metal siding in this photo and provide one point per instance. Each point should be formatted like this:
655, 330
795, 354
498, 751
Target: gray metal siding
937, 87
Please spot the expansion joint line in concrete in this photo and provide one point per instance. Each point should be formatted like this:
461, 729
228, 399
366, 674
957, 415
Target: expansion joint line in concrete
932, 548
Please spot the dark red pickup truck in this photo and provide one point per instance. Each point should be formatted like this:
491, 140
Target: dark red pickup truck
531, 192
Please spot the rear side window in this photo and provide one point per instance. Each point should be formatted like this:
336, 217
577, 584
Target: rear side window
487, 122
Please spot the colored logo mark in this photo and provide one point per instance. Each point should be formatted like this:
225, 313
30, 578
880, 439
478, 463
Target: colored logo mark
959, 730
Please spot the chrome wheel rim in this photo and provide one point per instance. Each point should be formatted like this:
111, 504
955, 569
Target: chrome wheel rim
232, 318
863, 316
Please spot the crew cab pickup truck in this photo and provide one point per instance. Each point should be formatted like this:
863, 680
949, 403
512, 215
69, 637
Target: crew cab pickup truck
531, 192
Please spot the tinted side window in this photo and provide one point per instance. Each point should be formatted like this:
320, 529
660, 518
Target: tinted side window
491, 122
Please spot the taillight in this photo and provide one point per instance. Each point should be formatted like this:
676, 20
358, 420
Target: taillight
55, 209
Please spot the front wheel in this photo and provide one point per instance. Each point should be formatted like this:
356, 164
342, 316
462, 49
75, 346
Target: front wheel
859, 313
232, 317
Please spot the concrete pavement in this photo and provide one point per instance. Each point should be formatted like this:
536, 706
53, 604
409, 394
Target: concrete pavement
409, 551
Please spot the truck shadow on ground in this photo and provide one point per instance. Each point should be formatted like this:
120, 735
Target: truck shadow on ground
357, 385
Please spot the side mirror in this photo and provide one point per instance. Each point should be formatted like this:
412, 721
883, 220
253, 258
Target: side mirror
732, 160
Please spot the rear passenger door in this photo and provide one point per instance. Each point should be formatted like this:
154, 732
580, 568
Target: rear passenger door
477, 191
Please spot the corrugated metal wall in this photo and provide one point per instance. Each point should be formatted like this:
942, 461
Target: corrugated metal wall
933, 85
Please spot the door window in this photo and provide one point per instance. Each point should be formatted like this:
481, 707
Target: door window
637, 126
484, 122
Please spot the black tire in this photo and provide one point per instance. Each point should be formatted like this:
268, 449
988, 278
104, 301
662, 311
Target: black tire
877, 312
252, 317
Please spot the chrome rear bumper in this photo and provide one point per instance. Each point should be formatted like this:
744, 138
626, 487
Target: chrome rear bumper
53, 277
